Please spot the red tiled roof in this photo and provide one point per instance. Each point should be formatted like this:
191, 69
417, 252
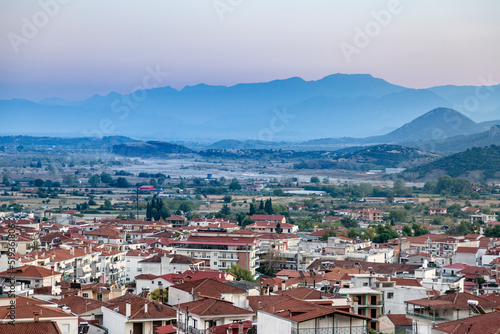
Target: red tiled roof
145, 276
155, 310
267, 217
213, 307
258, 302
456, 266
176, 217
306, 293
269, 224
45, 327
419, 254
473, 270
168, 329
29, 271
467, 250
402, 281
299, 311
207, 287
26, 312
400, 319
105, 231
488, 323
453, 301
78, 304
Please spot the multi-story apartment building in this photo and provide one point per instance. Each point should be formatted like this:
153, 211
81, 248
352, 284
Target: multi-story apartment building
112, 265
74, 263
221, 250
132, 259
371, 215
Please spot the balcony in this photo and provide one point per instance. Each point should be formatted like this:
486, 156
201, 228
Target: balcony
191, 330
377, 303
336, 330
425, 315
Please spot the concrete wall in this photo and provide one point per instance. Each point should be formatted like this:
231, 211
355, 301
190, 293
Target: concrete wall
268, 323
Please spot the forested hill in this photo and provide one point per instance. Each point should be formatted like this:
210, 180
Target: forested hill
484, 159
149, 149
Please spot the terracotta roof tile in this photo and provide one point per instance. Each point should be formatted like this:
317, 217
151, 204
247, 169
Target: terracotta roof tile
481, 324
213, 307
46, 327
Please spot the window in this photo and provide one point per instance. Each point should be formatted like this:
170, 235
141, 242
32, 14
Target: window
65, 328
365, 284
215, 263
99, 296
195, 323
85, 295
390, 295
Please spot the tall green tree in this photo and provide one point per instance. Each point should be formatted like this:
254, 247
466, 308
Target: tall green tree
268, 207
235, 185
94, 180
241, 274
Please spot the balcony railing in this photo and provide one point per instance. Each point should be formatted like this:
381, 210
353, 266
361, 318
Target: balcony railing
335, 330
377, 303
191, 329
426, 316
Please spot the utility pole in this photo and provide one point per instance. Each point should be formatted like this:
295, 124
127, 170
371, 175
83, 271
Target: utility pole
137, 200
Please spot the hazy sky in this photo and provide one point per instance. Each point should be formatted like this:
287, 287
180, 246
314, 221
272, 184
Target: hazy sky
74, 49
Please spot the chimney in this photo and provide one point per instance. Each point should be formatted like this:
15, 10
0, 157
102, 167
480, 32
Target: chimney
146, 306
128, 309
92, 316
283, 286
51, 270
262, 289
36, 316
160, 296
72, 251
268, 289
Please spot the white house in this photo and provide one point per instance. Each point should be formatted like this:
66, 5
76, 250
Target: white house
293, 316
133, 314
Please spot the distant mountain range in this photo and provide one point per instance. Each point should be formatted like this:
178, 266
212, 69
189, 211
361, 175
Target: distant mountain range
441, 130
83, 143
294, 110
